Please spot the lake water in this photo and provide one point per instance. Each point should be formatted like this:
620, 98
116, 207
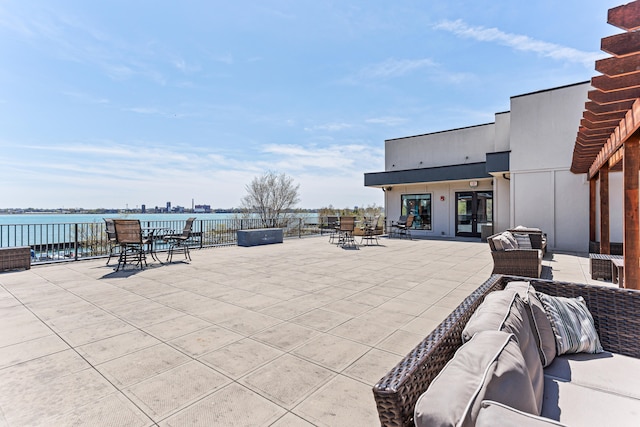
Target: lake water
89, 218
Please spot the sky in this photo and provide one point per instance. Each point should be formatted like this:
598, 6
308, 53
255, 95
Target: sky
116, 104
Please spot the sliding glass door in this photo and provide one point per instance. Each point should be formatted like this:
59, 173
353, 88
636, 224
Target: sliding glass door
473, 210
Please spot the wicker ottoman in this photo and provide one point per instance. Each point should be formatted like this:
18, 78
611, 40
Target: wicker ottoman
13, 258
600, 266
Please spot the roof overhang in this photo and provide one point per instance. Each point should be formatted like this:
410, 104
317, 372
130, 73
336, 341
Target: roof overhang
496, 162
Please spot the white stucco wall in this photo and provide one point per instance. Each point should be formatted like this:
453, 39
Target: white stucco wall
455, 147
544, 192
503, 131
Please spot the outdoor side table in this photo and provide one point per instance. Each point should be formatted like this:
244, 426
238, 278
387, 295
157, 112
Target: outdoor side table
617, 272
600, 265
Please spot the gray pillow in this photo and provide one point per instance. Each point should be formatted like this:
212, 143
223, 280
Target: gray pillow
489, 366
497, 414
572, 324
524, 241
542, 326
506, 311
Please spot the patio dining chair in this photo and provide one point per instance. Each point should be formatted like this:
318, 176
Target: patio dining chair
129, 239
110, 230
332, 225
402, 228
179, 240
345, 231
369, 231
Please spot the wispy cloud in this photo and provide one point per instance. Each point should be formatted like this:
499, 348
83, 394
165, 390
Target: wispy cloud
392, 68
331, 127
387, 121
519, 42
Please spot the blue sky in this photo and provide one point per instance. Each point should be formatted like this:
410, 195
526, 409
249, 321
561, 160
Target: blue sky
115, 103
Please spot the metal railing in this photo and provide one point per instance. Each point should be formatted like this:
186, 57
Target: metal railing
75, 241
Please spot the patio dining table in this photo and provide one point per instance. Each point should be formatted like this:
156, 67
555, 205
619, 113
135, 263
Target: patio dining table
151, 234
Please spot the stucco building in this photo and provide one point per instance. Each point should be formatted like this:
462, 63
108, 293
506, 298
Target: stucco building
490, 177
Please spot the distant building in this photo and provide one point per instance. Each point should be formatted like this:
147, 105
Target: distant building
168, 206
202, 209
144, 208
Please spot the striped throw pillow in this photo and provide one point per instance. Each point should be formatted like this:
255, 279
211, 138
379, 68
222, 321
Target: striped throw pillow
572, 324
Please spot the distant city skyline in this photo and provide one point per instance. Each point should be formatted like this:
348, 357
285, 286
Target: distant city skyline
109, 104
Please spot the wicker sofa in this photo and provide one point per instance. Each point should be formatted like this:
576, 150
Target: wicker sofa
616, 314
515, 260
536, 236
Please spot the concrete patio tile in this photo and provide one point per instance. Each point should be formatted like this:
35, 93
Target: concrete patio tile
364, 331
205, 340
349, 308
372, 366
149, 317
321, 320
249, 322
287, 310
38, 401
94, 332
400, 342
166, 393
219, 312
331, 351
42, 370
21, 327
233, 405
421, 325
399, 305
176, 327
109, 348
341, 402
287, 380
437, 312
28, 350
142, 364
113, 410
73, 321
291, 420
386, 317
240, 357
258, 301
285, 336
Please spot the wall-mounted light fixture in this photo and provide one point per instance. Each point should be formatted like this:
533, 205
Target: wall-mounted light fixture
473, 183
389, 188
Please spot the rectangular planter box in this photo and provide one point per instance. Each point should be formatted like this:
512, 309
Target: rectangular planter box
13, 258
259, 236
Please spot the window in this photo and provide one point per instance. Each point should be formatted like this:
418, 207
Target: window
420, 206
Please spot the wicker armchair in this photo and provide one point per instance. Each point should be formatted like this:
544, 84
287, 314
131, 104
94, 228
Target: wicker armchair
518, 262
616, 313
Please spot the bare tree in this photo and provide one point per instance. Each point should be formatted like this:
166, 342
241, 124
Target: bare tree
271, 196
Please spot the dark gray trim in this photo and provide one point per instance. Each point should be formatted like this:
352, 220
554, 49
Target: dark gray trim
442, 173
498, 162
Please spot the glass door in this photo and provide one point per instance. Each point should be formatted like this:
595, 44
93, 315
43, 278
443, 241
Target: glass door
473, 210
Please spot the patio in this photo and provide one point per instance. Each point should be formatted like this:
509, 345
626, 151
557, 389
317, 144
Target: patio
293, 334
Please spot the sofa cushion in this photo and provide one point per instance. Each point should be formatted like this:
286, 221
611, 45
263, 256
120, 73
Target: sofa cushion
497, 243
572, 324
506, 311
609, 372
542, 326
490, 366
497, 414
577, 405
524, 242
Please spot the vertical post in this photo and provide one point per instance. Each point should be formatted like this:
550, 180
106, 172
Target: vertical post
75, 244
201, 233
631, 242
300, 228
605, 246
592, 210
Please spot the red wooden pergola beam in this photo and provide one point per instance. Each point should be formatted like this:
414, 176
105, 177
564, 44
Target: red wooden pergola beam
607, 84
604, 98
619, 66
608, 108
626, 16
621, 44
606, 117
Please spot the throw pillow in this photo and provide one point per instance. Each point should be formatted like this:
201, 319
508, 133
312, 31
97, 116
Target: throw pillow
524, 242
497, 243
506, 242
545, 336
491, 367
511, 239
572, 324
